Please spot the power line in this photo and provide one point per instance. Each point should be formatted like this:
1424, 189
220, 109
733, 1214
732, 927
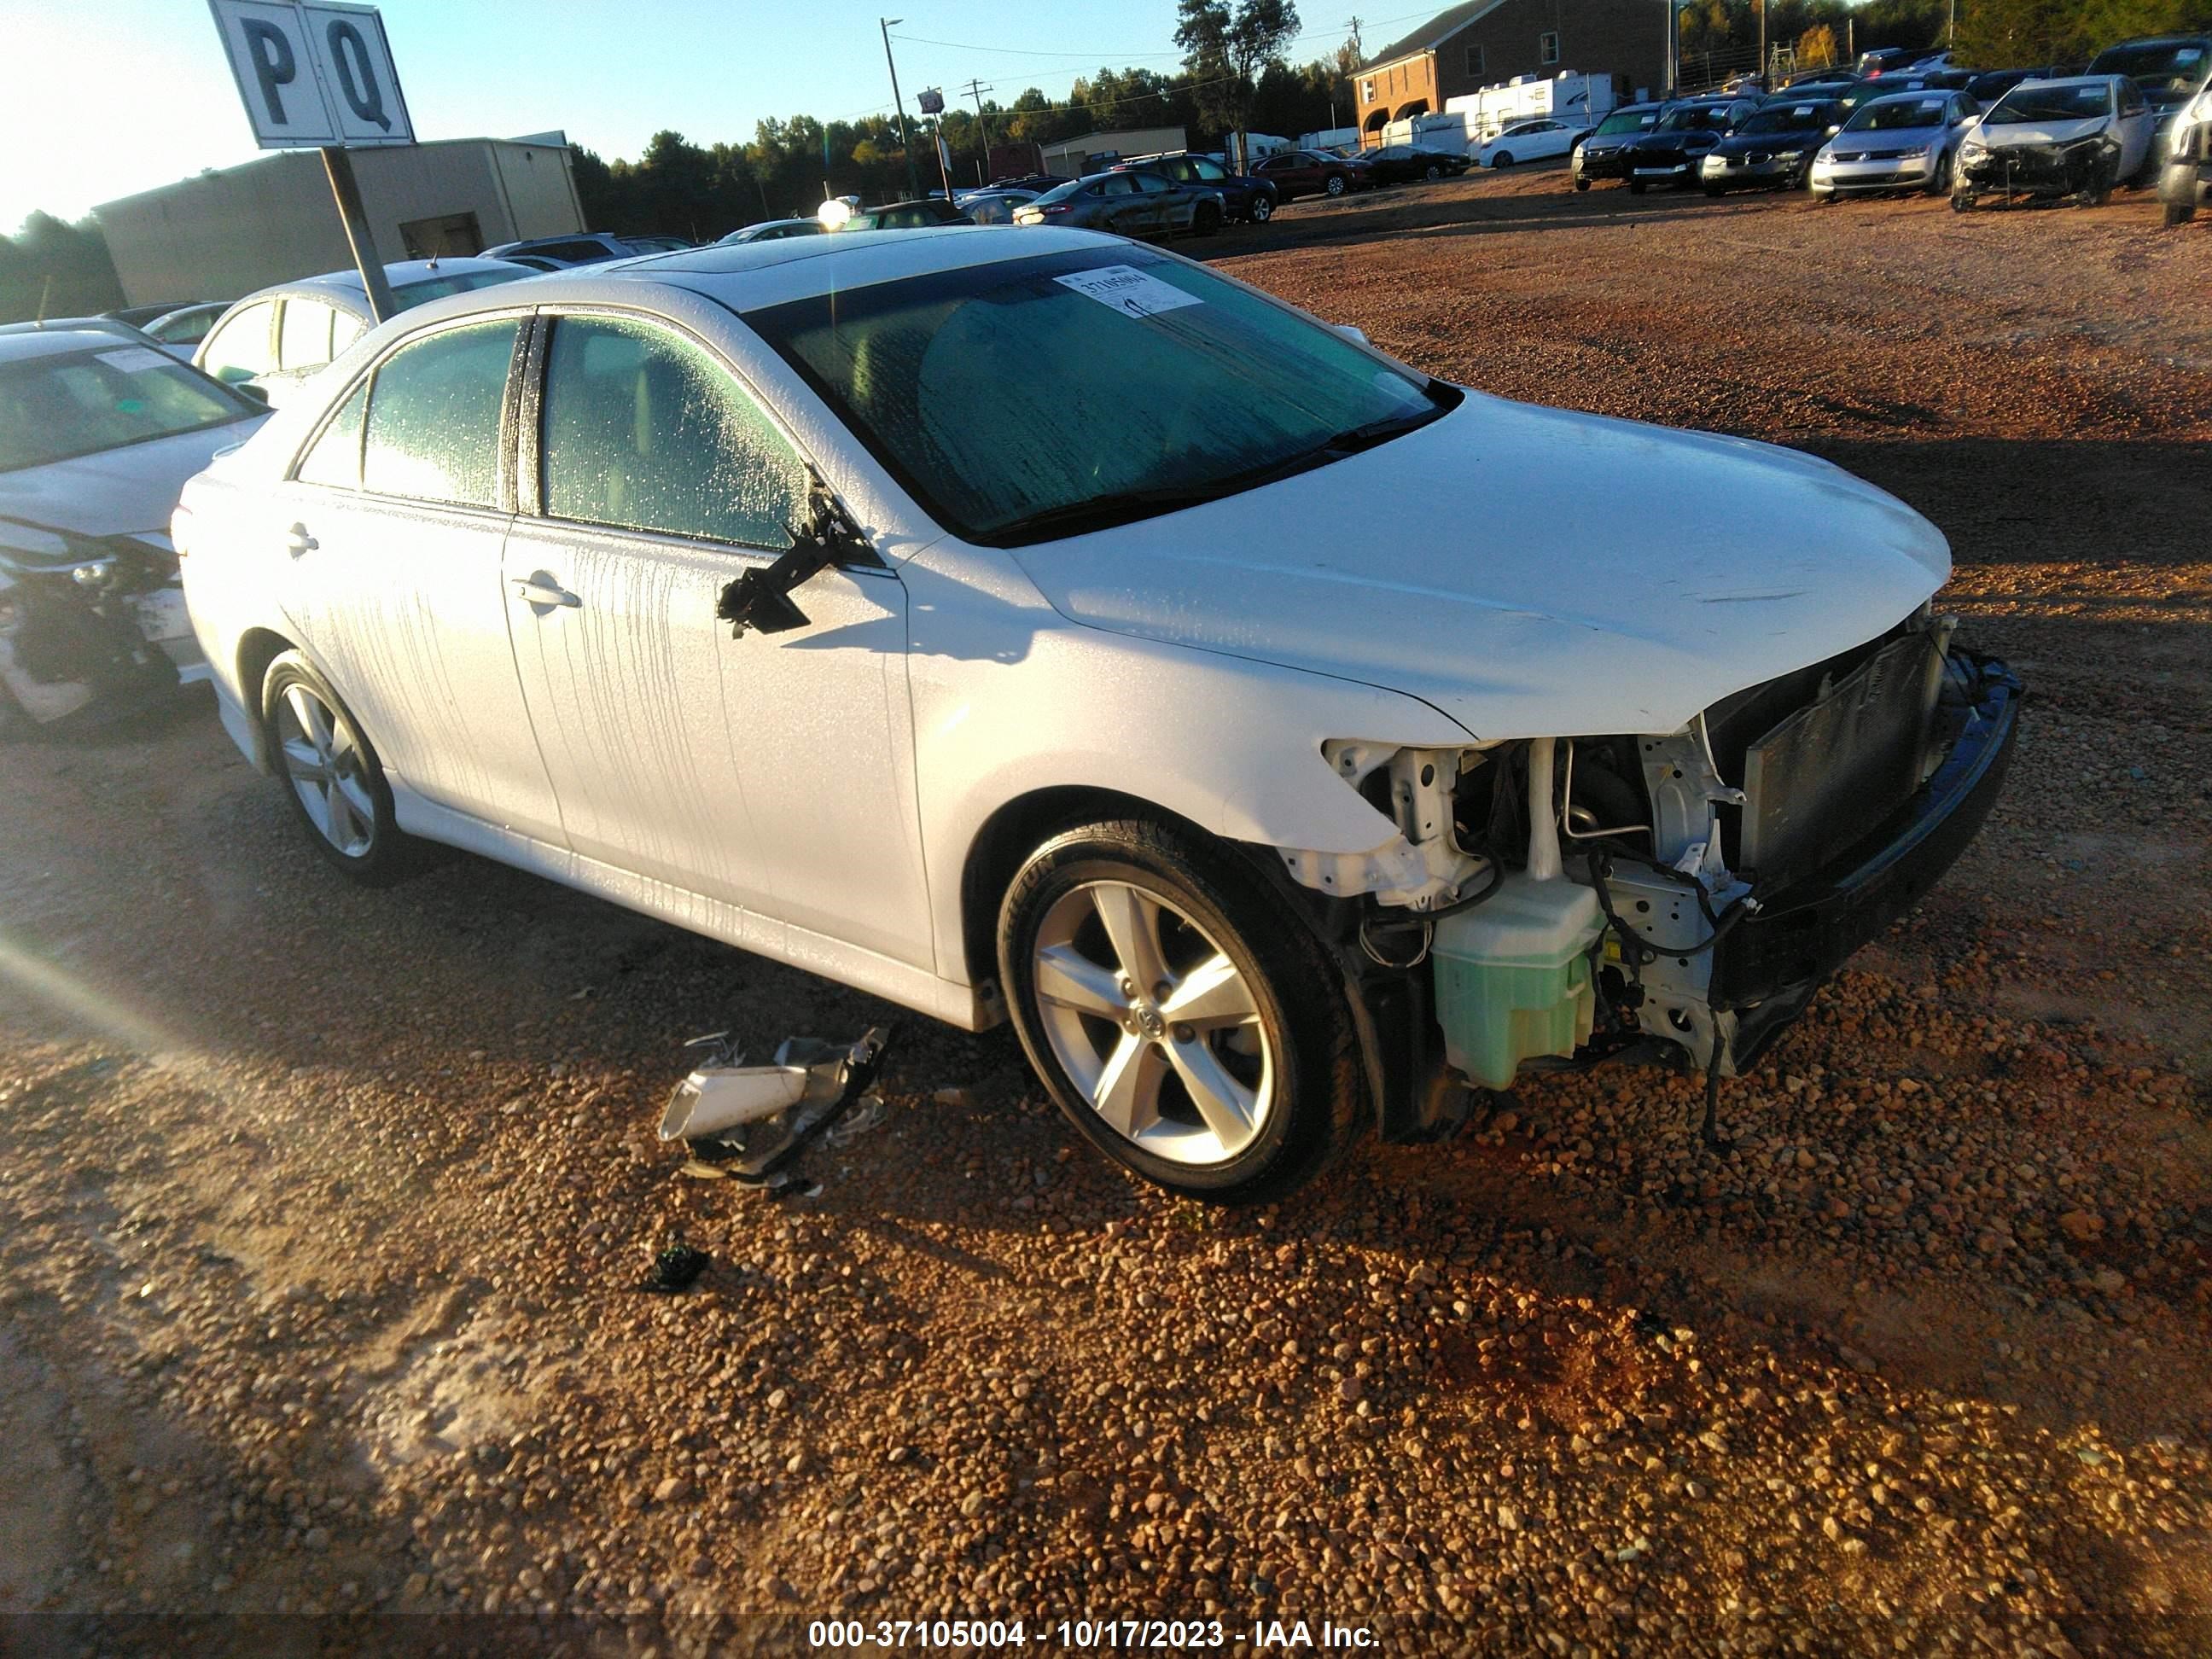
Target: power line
1016, 51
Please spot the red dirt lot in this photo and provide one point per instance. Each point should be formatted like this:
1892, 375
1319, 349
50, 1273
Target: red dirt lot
323, 1206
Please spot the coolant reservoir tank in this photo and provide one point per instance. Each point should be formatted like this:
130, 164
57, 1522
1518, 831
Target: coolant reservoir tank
1513, 976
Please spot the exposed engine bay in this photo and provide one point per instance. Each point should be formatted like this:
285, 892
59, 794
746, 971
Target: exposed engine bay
1573, 897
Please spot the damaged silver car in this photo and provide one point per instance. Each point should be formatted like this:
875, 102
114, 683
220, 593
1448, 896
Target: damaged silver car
98, 435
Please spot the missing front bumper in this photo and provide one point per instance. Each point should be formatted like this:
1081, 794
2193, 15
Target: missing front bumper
1800, 936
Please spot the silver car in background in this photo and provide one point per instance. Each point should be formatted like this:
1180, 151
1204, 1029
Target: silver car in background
1909, 142
98, 434
274, 337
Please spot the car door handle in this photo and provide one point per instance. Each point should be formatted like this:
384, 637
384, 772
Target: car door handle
298, 541
542, 589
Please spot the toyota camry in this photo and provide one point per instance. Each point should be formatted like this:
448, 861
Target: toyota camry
1026, 625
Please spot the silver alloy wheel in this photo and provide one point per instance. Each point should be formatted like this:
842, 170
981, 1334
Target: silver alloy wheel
323, 764
1153, 1023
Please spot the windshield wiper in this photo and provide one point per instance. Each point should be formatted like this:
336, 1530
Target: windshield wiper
1121, 505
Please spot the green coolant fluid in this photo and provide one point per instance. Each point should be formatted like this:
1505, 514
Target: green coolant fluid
1513, 976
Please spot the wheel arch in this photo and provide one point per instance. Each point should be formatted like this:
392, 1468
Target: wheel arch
1006, 840
257, 647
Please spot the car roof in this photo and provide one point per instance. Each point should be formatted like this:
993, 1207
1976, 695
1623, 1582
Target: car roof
2045, 83
747, 276
1923, 94
55, 340
529, 242
346, 285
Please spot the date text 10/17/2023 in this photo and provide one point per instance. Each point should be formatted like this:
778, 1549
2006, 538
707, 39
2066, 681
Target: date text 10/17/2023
1082, 1635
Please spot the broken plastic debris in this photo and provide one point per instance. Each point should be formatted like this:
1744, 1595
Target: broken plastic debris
675, 1268
869, 1115
810, 1085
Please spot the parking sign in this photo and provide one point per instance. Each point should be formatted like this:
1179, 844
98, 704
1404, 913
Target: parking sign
314, 73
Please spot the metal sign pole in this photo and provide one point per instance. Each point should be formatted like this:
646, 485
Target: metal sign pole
338, 164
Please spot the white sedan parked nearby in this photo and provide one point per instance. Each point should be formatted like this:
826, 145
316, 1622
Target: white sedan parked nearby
1025, 624
1529, 141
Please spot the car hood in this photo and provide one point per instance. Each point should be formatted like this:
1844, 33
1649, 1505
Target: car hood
2042, 132
1879, 138
118, 491
1528, 571
1743, 143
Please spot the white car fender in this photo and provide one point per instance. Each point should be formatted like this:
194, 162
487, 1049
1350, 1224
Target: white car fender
1011, 699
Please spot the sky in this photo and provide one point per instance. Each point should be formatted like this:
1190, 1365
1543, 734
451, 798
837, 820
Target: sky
104, 100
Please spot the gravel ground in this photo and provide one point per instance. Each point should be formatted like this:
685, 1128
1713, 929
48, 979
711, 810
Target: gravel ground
323, 1208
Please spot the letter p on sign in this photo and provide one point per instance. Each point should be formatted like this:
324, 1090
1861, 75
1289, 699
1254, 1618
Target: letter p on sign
313, 72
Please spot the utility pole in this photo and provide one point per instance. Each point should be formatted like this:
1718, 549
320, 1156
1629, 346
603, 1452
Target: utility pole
1674, 48
1764, 78
976, 90
913, 178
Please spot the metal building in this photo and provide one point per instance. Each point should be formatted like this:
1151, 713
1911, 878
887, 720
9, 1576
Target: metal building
227, 232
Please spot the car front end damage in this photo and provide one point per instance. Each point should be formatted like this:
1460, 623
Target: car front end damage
2086, 167
92, 628
1684, 894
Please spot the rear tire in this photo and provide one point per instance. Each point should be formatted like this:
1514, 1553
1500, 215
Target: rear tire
324, 758
1637, 186
1962, 200
2179, 213
1256, 1089
1205, 219
1715, 191
1582, 184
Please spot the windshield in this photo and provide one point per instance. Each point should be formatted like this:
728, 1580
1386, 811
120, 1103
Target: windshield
437, 287
1788, 118
80, 403
1696, 118
2048, 103
1626, 121
1904, 113
2166, 69
1023, 400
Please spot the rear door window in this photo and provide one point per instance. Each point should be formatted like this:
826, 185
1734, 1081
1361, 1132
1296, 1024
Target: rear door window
644, 430
434, 417
303, 335
240, 349
334, 459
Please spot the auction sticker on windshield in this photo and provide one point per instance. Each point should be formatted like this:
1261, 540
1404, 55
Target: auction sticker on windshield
133, 358
1127, 289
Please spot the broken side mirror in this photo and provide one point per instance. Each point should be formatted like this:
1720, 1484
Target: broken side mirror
760, 598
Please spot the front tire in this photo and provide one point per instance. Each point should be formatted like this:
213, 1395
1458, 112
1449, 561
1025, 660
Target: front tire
1335, 184
1637, 186
332, 776
1504, 159
2179, 213
1180, 1014
1260, 211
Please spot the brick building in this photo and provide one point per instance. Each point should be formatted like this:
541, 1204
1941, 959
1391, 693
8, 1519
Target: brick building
1484, 43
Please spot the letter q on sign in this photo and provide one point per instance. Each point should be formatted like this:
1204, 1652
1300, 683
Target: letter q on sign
313, 72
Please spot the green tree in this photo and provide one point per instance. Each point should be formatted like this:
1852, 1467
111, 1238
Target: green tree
1224, 50
53, 269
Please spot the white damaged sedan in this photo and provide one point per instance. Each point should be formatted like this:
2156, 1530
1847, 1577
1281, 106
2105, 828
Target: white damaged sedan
1023, 625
